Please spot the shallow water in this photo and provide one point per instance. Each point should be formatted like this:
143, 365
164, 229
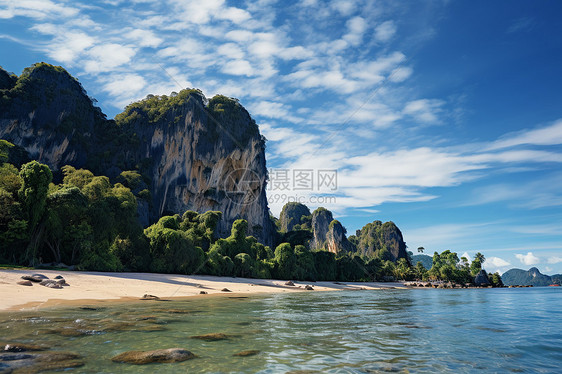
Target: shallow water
421, 331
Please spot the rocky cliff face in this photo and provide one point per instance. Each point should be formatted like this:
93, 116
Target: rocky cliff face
48, 113
376, 239
292, 214
328, 233
194, 154
336, 241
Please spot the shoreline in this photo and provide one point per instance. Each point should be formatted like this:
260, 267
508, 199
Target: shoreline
100, 287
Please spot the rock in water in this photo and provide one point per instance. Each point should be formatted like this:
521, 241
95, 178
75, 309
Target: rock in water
251, 352
22, 347
481, 279
156, 356
211, 337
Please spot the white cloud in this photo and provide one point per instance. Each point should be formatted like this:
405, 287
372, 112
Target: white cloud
37, 9
125, 85
238, 67
424, 110
467, 256
231, 50
270, 109
356, 28
106, 57
554, 259
144, 38
496, 261
528, 259
385, 31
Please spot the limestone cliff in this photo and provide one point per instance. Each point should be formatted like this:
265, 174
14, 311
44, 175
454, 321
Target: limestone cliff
328, 233
194, 153
381, 239
48, 113
294, 214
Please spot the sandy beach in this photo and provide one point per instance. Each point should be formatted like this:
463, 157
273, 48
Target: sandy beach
98, 286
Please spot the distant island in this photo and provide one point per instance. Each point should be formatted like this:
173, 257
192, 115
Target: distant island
162, 188
531, 277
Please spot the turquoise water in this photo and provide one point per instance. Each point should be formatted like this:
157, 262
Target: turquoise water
405, 331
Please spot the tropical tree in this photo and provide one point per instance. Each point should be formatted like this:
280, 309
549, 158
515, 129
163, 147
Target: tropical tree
33, 198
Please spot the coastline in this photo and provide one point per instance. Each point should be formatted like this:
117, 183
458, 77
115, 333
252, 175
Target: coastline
95, 287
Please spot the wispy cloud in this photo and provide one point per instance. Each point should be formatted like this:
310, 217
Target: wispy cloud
548, 135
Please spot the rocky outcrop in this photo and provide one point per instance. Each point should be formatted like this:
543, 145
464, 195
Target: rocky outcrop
481, 279
381, 239
336, 241
321, 219
195, 154
328, 233
292, 214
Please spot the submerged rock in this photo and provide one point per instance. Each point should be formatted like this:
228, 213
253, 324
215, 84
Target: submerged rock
157, 356
22, 347
38, 362
251, 352
212, 337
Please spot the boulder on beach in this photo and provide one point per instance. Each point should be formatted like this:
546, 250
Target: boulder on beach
226, 290
149, 297
308, 288
289, 283
34, 278
157, 356
51, 283
25, 283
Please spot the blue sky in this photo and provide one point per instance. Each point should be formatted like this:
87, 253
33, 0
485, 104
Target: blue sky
442, 116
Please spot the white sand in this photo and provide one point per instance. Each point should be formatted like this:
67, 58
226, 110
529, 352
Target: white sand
132, 286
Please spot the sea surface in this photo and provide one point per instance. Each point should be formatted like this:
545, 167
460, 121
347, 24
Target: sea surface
404, 331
